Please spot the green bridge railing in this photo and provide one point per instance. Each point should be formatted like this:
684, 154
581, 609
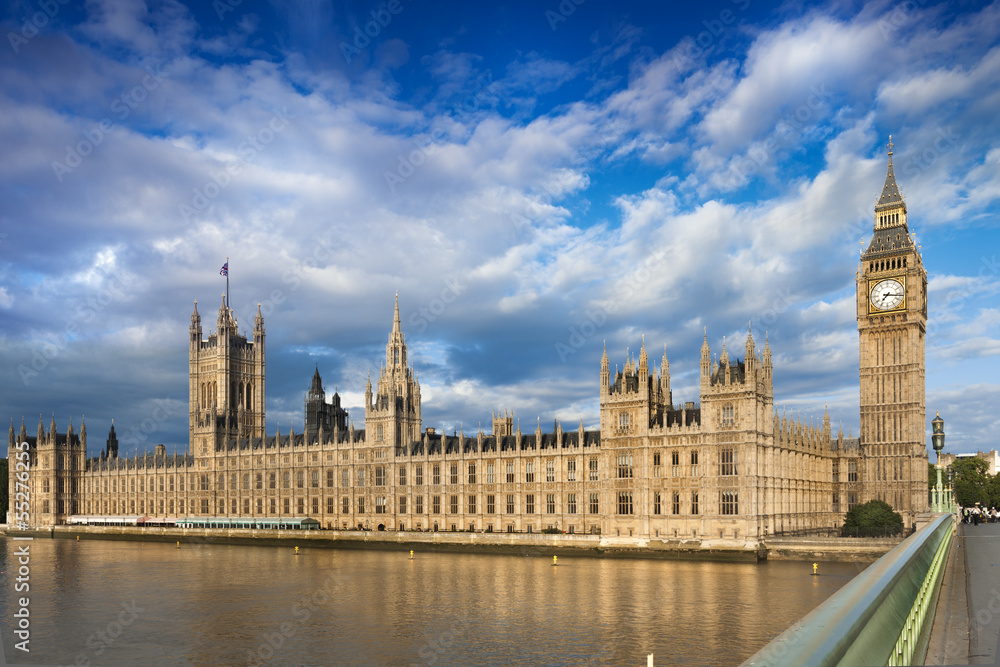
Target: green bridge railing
881, 617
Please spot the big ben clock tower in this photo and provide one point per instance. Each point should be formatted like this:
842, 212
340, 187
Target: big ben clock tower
892, 324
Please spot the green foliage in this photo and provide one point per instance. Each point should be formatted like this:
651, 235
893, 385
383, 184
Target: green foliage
968, 493
932, 476
551, 531
970, 467
872, 519
4, 498
993, 491
972, 483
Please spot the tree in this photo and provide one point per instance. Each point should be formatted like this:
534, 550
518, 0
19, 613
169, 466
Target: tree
971, 481
872, 519
993, 490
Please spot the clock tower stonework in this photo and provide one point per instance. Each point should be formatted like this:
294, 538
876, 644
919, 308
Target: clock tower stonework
892, 325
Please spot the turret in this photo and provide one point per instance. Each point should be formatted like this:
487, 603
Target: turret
258, 324
223, 321
724, 362
195, 330
112, 444
768, 369
706, 364
605, 372
665, 378
643, 371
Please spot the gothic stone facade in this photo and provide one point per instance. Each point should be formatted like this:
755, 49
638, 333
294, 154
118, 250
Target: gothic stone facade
725, 467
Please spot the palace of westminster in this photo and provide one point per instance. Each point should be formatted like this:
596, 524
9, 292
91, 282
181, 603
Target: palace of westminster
727, 467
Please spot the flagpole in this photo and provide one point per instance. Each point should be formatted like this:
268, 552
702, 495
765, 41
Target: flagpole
228, 307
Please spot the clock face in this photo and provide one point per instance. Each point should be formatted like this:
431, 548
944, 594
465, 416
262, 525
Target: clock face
887, 294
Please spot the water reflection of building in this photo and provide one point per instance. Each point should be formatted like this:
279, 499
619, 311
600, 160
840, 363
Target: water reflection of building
726, 467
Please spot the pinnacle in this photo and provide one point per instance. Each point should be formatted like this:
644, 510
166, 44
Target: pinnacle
396, 327
890, 191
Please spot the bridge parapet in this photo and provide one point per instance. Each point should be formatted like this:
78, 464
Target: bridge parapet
881, 617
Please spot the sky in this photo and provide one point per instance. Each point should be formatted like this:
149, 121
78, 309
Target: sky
535, 180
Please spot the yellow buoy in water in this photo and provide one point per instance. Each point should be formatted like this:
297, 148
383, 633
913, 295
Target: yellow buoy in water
178, 545
77, 538
296, 551
815, 568
555, 561
411, 554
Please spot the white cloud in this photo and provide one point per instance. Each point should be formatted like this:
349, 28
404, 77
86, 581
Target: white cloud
624, 196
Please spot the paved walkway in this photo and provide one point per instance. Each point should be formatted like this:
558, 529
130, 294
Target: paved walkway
966, 628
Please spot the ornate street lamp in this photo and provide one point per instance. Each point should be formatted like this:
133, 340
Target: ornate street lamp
942, 496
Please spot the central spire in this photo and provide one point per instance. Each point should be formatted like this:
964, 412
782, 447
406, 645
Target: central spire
891, 231
396, 327
890, 191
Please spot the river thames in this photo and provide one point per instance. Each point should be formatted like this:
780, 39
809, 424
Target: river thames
127, 603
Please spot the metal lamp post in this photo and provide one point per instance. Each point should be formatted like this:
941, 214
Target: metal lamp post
951, 485
942, 496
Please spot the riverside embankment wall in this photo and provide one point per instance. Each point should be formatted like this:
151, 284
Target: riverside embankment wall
776, 548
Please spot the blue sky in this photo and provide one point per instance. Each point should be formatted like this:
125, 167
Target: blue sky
534, 179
